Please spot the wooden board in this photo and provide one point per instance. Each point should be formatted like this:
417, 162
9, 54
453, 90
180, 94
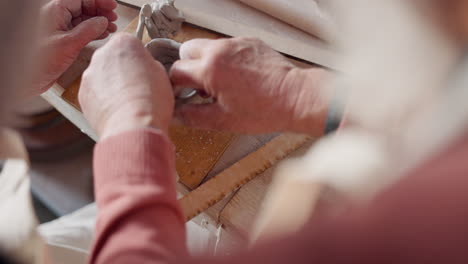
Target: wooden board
242, 172
197, 151
233, 18
240, 213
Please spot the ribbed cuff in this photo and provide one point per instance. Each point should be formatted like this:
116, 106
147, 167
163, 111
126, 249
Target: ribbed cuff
143, 156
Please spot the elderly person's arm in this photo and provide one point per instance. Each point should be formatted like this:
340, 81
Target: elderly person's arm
256, 90
127, 97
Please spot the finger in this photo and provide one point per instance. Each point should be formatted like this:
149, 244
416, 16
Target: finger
110, 14
205, 116
104, 35
112, 28
89, 7
153, 30
187, 73
106, 4
87, 31
194, 49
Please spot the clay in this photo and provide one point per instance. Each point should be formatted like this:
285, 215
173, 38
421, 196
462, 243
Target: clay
145, 12
166, 51
161, 19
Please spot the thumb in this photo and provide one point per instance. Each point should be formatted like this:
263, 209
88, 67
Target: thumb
87, 31
205, 116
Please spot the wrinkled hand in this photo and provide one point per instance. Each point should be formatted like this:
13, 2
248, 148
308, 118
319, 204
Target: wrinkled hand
70, 26
250, 82
124, 88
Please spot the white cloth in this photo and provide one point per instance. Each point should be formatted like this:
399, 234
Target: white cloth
70, 237
65, 240
18, 234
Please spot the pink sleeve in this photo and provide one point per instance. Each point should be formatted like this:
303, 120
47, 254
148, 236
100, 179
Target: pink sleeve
421, 219
139, 217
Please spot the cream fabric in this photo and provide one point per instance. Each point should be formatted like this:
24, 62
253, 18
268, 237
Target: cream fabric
65, 240
68, 239
18, 235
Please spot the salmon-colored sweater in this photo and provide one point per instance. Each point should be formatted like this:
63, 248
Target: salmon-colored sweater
422, 219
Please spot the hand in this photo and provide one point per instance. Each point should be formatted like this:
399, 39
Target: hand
256, 90
70, 26
124, 88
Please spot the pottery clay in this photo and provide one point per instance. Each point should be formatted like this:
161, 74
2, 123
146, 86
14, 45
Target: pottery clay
166, 51
162, 20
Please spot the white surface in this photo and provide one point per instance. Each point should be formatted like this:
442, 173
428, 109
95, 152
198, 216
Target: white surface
69, 239
233, 18
53, 96
307, 15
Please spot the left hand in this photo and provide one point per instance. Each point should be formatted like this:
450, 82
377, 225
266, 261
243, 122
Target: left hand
125, 89
71, 25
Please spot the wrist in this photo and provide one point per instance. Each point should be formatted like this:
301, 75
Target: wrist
126, 120
311, 104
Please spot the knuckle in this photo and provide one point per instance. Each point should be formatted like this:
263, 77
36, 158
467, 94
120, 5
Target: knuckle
223, 47
251, 40
219, 60
220, 52
246, 39
249, 44
211, 69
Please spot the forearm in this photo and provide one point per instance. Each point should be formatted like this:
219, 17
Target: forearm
311, 100
139, 218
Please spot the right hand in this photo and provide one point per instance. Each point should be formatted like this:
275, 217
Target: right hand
254, 87
124, 89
